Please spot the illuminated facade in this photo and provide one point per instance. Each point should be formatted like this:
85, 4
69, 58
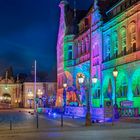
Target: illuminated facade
14, 94
115, 42
46, 94
10, 92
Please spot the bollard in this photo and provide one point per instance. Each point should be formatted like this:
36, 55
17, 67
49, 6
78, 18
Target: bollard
73, 116
61, 119
10, 124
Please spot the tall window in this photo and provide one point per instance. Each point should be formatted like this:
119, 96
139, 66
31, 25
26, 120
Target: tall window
97, 93
87, 44
115, 40
133, 37
84, 47
108, 48
137, 91
70, 55
123, 41
123, 90
69, 52
136, 84
79, 49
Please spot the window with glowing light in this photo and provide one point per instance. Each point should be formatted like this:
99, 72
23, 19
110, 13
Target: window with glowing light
108, 47
123, 40
132, 29
115, 40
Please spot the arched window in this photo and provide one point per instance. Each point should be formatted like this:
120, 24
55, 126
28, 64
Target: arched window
115, 42
132, 30
123, 40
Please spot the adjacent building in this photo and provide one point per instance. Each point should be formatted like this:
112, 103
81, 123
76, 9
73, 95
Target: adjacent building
93, 43
45, 92
16, 94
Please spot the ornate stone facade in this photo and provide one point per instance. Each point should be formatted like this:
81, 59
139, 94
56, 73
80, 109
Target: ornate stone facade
115, 42
10, 93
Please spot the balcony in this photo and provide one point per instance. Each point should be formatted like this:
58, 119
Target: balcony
83, 58
122, 58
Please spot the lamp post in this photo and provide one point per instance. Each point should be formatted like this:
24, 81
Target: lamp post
64, 103
94, 80
64, 94
81, 80
115, 74
39, 93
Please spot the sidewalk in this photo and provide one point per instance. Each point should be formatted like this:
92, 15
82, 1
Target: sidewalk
130, 120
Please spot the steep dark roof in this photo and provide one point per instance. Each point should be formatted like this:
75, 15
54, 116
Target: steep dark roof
71, 21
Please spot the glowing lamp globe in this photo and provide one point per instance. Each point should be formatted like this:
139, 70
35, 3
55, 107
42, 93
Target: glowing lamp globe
81, 79
115, 72
94, 80
65, 85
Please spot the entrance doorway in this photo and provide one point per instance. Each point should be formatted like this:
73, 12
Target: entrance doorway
6, 98
5, 101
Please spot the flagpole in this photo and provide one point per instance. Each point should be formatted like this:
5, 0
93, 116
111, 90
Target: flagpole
35, 106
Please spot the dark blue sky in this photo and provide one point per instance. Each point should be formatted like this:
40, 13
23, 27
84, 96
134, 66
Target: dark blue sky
28, 31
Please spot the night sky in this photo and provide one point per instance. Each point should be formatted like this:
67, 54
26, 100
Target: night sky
28, 31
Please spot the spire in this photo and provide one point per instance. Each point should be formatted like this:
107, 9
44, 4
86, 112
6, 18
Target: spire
6, 75
63, 3
17, 78
95, 4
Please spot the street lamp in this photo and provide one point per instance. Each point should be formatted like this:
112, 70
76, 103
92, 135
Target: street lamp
115, 74
81, 80
64, 94
94, 80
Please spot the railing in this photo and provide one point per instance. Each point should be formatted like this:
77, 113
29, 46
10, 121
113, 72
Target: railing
128, 112
83, 58
121, 55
